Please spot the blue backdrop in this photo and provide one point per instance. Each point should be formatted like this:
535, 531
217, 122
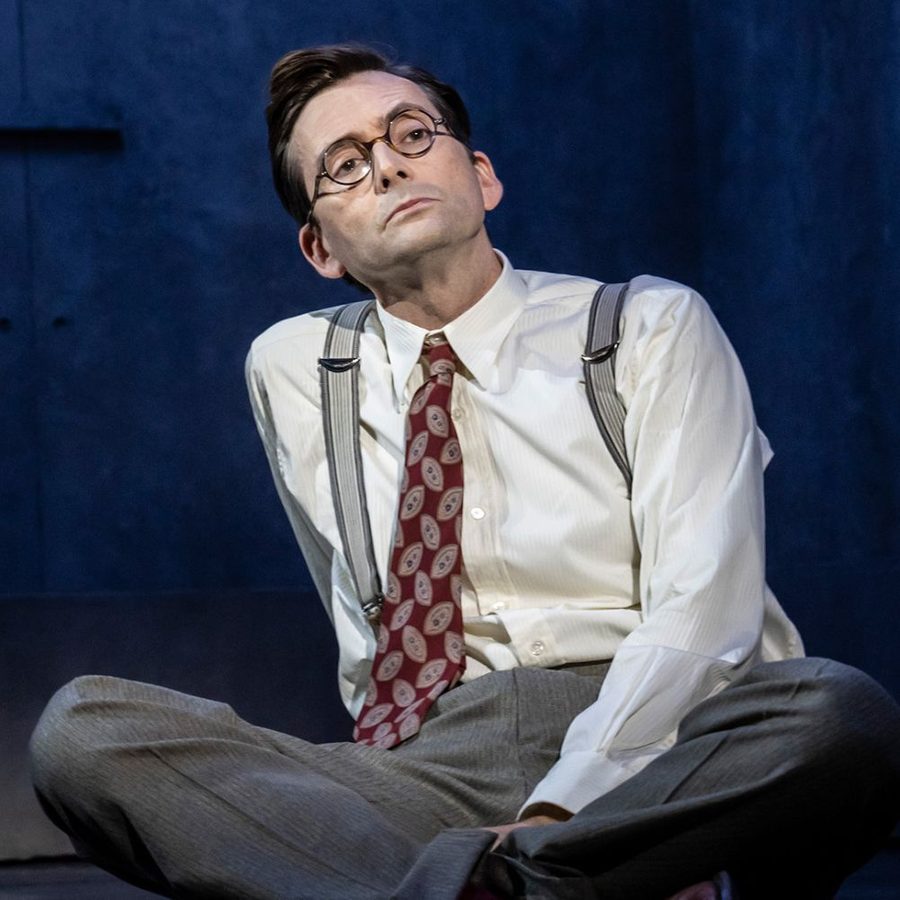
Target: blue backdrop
746, 149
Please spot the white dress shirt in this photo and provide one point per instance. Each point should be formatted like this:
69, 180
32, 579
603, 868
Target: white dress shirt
560, 566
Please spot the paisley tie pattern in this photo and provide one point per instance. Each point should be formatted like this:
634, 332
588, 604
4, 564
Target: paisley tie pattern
420, 651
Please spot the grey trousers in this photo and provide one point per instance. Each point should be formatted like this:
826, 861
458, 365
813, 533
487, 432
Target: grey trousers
795, 767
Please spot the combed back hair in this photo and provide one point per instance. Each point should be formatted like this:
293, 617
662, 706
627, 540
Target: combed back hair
301, 74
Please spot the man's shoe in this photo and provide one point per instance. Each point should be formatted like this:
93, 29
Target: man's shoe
720, 888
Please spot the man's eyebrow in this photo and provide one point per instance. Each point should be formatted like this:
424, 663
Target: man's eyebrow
380, 123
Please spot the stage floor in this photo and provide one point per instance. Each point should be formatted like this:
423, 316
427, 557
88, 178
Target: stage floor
63, 879
71, 879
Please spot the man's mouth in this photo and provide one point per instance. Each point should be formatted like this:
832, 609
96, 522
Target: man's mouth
407, 204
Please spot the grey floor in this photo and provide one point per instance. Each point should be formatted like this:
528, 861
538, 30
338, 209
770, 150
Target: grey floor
68, 879
71, 879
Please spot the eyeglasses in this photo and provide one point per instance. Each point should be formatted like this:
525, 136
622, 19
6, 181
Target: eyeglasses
410, 132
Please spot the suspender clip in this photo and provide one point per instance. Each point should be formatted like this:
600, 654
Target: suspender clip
372, 608
339, 364
601, 355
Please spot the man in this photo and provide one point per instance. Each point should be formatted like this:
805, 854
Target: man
572, 680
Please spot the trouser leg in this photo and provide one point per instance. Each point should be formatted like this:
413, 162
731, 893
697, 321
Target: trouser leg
179, 795
789, 779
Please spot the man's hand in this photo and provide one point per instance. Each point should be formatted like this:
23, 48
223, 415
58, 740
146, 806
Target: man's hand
548, 815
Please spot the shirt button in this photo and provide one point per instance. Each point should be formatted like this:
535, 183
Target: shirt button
537, 648
457, 413
476, 512
499, 605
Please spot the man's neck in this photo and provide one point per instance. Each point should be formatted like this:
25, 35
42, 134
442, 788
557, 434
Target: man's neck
441, 287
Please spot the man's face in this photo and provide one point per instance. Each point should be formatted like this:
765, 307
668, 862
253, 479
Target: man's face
405, 207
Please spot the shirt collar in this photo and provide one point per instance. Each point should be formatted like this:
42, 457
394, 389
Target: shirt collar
476, 335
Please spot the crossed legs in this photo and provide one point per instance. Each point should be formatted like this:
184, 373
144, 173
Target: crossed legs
797, 763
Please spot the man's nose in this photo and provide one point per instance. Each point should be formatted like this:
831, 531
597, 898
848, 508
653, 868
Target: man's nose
387, 166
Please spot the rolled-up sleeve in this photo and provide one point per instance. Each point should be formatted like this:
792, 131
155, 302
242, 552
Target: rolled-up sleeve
697, 507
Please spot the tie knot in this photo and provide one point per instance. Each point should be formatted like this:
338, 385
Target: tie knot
439, 356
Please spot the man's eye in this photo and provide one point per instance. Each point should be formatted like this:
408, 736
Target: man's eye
345, 167
410, 132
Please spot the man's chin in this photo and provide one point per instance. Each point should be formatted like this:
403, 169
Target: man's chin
412, 248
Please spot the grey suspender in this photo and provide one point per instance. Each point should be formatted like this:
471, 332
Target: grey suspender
600, 380
339, 379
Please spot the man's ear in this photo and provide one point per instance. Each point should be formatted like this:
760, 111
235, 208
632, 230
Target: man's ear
315, 249
491, 186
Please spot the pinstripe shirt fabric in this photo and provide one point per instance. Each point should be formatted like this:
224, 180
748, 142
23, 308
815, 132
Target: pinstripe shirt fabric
560, 566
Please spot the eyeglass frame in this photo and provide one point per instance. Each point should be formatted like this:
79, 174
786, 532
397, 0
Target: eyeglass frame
367, 147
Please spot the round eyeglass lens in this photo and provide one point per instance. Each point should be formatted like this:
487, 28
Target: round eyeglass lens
411, 133
347, 162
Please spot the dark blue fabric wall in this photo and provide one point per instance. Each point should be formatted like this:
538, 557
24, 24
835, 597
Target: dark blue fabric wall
746, 149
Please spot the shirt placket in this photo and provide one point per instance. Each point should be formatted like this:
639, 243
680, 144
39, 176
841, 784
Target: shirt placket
487, 585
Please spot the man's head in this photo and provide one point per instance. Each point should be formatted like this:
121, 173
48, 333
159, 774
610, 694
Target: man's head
300, 75
324, 96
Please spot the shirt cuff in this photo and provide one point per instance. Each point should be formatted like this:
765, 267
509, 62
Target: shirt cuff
582, 776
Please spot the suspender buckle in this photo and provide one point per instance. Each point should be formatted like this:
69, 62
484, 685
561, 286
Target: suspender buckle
339, 364
372, 608
601, 355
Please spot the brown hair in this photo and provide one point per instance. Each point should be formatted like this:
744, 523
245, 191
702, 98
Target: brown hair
301, 74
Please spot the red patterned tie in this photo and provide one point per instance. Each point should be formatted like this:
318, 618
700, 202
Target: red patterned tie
420, 646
